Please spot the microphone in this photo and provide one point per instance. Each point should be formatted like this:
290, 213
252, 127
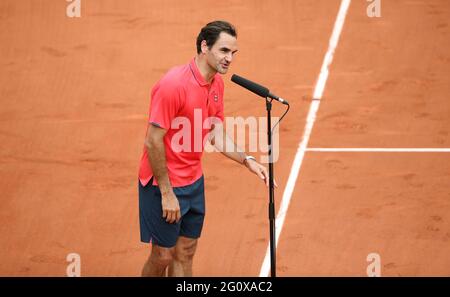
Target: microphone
256, 88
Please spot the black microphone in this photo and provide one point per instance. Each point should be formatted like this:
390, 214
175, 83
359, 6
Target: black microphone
256, 88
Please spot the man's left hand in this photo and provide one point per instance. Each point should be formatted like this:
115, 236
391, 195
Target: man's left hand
260, 171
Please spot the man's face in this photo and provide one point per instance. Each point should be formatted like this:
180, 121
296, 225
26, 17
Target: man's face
221, 54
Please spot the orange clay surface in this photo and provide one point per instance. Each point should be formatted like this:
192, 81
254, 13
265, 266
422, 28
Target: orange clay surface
74, 99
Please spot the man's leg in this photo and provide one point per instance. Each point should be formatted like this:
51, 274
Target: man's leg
183, 256
160, 258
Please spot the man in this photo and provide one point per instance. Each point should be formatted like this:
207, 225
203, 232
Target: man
171, 187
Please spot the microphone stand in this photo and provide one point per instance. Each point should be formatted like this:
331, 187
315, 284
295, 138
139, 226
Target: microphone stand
271, 192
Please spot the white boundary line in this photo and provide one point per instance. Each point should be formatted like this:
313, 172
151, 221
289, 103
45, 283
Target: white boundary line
318, 92
379, 150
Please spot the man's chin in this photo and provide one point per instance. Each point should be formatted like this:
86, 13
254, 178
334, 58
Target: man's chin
222, 70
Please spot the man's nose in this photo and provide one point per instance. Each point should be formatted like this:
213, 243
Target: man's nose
229, 57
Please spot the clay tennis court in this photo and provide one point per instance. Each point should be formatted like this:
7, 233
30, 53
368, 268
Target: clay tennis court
75, 96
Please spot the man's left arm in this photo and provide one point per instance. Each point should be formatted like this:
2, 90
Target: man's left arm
224, 144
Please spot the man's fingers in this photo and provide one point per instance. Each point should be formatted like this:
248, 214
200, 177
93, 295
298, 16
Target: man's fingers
172, 216
169, 216
262, 176
176, 216
266, 176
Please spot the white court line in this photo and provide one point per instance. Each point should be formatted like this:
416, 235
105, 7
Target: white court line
379, 150
318, 92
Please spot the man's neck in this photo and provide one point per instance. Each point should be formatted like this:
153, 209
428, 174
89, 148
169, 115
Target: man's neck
205, 70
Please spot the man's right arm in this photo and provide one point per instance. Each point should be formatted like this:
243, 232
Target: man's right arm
154, 143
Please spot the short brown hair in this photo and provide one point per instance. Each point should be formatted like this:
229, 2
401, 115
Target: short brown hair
210, 33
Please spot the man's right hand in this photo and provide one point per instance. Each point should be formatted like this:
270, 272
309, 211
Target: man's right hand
170, 207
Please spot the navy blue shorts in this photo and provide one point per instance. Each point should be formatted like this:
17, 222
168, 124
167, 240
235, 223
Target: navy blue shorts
154, 227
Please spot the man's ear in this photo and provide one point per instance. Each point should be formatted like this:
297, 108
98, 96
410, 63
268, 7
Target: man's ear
204, 46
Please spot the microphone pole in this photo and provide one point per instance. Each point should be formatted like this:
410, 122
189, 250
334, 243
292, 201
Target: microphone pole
271, 192
265, 93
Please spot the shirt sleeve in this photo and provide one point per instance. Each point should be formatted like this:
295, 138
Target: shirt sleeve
164, 106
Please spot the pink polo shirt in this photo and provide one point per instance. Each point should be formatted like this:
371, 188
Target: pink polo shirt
184, 104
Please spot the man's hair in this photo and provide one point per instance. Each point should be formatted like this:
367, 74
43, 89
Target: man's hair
210, 33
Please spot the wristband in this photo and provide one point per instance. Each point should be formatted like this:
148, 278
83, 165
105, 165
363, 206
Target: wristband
248, 158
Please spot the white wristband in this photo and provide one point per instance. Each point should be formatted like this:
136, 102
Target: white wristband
248, 158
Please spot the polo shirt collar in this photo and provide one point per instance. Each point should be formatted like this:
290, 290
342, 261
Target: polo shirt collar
197, 75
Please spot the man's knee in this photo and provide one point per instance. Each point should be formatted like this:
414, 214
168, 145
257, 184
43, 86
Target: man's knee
185, 249
162, 256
